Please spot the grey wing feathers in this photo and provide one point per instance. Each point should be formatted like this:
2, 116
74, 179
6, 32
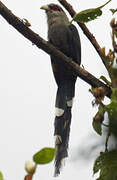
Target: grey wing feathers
59, 36
67, 40
76, 44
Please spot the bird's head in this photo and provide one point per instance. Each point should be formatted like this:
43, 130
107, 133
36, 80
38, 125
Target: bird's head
55, 14
52, 8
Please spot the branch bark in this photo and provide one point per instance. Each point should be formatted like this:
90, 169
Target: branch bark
85, 30
18, 24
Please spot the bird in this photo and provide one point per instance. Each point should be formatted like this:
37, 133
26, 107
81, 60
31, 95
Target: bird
65, 37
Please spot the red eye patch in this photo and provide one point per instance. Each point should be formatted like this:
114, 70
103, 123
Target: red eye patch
55, 7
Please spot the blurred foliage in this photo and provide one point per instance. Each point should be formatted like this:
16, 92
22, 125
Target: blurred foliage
106, 163
1, 176
111, 110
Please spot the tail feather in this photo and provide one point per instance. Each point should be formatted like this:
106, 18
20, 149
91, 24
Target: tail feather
62, 130
65, 94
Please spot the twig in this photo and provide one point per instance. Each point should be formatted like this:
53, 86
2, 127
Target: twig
50, 49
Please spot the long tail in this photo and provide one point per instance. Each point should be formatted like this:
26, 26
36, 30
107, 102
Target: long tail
64, 99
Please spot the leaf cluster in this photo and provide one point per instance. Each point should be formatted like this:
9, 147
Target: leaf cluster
111, 110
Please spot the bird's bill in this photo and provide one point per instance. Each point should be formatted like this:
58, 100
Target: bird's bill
45, 7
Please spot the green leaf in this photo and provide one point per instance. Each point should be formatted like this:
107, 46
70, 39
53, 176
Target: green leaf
106, 163
97, 165
97, 127
89, 14
44, 156
97, 120
112, 114
113, 11
1, 176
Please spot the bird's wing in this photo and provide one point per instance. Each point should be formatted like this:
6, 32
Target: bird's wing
75, 48
66, 39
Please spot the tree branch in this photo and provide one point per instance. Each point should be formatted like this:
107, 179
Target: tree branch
18, 24
85, 30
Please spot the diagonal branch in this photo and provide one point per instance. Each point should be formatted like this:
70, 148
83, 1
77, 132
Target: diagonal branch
85, 30
18, 24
